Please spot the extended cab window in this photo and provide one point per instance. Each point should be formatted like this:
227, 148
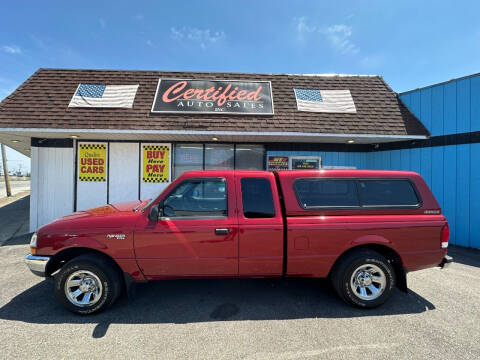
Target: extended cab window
326, 193
197, 198
387, 193
257, 198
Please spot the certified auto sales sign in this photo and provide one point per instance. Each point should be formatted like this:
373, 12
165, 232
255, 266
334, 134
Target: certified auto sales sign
213, 97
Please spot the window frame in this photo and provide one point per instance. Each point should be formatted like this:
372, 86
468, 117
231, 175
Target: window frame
271, 193
357, 189
205, 144
264, 154
198, 217
231, 146
174, 157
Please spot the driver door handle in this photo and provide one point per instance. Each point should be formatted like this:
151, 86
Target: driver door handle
223, 231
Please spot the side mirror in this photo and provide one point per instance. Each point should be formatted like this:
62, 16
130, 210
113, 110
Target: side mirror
153, 214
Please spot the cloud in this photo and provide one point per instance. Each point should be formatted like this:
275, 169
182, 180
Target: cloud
339, 36
12, 49
103, 23
202, 37
303, 28
138, 17
149, 43
176, 34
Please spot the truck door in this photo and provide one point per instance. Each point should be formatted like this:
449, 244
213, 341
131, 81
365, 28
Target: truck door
197, 235
260, 225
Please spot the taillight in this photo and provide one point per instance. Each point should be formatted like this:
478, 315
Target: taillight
445, 236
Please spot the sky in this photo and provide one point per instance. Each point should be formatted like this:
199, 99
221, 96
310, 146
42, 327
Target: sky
410, 43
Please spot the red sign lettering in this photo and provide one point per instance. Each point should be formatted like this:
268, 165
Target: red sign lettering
176, 92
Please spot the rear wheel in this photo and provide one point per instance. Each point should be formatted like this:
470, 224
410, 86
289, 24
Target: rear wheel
363, 278
88, 284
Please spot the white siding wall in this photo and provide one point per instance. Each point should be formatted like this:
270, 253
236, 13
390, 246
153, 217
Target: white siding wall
123, 172
51, 184
34, 188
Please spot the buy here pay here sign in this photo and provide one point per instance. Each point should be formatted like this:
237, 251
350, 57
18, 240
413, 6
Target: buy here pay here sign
156, 163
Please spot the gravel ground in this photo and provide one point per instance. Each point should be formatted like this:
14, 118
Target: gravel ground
246, 319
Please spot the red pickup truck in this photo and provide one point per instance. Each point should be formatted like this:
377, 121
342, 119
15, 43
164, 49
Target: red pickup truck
363, 229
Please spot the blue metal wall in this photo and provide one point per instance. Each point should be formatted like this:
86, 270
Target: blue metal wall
452, 172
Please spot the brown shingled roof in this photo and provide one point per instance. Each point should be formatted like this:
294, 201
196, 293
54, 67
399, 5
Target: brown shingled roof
42, 102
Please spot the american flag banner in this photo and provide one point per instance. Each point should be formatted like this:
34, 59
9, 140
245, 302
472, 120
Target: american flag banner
104, 96
331, 101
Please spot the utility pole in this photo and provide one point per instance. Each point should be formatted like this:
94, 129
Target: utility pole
5, 171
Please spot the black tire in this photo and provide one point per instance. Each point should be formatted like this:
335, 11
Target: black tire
344, 270
104, 269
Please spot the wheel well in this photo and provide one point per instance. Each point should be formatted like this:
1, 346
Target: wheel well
64, 256
391, 255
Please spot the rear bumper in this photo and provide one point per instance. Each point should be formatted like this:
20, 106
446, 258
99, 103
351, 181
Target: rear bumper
37, 264
447, 260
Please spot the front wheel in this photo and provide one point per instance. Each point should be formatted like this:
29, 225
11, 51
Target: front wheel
87, 284
364, 279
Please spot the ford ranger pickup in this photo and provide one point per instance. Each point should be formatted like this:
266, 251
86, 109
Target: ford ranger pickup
363, 229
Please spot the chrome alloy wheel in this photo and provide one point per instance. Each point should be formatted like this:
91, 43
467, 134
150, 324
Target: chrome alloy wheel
368, 282
83, 288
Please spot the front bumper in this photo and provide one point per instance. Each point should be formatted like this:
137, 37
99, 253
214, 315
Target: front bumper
37, 264
447, 260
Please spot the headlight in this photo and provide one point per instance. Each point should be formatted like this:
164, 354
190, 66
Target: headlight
33, 241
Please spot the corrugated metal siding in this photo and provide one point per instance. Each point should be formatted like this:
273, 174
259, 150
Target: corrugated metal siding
52, 185
475, 195
475, 104
452, 172
448, 108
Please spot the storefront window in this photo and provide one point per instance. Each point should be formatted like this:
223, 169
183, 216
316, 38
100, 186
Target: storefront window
188, 157
249, 157
219, 156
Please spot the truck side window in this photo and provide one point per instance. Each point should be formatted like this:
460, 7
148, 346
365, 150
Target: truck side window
257, 198
387, 193
313, 193
197, 198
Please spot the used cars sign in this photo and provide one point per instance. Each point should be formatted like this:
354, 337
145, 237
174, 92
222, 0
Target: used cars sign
213, 96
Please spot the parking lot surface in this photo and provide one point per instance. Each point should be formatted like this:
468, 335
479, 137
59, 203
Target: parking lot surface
14, 216
244, 319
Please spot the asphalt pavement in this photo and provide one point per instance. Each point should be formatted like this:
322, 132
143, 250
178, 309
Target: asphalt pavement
244, 319
14, 216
